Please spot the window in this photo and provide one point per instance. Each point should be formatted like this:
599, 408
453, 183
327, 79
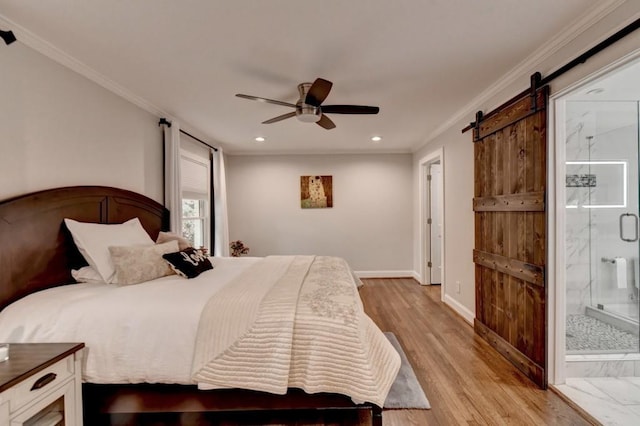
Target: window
194, 221
195, 170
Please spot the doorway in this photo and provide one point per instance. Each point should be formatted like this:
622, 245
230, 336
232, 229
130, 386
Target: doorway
432, 224
597, 203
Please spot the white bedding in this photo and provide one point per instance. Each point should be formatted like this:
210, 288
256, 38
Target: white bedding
254, 323
132, 352
294, 322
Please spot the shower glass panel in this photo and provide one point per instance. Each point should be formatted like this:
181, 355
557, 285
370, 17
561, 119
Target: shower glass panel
603, 271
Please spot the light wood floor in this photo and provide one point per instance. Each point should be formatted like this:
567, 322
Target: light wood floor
467, 382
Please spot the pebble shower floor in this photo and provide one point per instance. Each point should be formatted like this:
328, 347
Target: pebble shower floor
586, 333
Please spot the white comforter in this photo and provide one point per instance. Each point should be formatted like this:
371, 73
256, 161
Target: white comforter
256, 323
133, 334
294, 322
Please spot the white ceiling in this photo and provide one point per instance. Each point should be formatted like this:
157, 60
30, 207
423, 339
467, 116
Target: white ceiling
420, 61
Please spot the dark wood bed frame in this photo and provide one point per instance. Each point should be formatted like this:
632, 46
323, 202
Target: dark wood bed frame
37, 252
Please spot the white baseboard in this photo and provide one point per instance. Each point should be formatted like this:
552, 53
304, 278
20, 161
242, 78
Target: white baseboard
459, 308
385, 274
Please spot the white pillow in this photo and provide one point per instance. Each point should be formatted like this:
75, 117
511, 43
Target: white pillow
86, 274
94, 239
183, 243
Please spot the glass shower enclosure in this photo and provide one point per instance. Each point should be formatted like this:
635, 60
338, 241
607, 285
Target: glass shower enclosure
602, 227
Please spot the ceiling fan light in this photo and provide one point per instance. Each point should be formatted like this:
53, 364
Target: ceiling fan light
307, 113
308, 109
309, 118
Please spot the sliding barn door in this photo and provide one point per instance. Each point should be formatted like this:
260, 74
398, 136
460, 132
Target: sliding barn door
510, 231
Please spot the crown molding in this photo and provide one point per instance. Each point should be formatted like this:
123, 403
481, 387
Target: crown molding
578, 27
587, 20
45, 48
40, 45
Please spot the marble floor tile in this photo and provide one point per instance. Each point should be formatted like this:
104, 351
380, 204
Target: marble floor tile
622, 391
582, 389
599, 404
634, 380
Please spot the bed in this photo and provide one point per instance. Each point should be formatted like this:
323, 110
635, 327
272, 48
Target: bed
255, 361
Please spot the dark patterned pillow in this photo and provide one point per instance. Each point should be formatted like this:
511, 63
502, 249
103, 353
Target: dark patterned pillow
189, 262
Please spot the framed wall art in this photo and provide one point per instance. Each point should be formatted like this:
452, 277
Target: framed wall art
316, 192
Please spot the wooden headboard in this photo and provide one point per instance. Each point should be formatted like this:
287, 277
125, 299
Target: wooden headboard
36, 249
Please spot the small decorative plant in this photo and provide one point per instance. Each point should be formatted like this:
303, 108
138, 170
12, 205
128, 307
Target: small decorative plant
238, 248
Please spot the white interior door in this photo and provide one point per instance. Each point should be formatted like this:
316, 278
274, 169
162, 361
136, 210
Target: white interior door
435, 195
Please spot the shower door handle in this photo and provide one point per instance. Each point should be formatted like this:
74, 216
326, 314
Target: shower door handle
635, 224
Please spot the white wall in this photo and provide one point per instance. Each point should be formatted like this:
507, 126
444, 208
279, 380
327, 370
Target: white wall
58, 128
458, 222
458, 149
370, 224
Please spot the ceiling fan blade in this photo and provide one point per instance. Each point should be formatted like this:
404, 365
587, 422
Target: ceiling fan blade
280, 118
326, 122
269, 101
318, 92
350, 109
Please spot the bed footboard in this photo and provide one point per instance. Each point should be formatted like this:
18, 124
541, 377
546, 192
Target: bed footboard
164, 404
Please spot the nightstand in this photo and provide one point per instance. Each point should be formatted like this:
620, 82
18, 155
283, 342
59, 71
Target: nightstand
40, 385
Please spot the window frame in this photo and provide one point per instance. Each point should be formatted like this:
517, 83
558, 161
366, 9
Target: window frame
205, 204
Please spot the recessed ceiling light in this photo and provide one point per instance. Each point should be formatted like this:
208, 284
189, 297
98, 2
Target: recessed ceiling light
259, 139
376, 138
595, 91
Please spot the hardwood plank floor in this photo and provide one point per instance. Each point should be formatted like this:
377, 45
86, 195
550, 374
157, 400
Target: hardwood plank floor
466, 381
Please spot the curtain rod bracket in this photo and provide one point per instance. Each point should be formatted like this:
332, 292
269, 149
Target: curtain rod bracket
165, 122
8, 37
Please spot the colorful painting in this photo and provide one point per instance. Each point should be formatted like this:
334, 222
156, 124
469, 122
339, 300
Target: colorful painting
316, 192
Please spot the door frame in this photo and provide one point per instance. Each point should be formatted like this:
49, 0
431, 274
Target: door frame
435, 227
436, 156
556, 221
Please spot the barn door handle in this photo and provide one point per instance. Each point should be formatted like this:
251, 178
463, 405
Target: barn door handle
635, 223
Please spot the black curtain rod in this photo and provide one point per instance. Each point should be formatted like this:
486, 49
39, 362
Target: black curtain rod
569, 65
168, 123
199, 140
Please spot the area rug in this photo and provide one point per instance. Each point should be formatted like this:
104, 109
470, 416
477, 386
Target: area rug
406, 392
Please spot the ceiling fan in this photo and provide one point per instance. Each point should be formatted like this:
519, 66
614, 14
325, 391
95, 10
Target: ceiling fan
309, 107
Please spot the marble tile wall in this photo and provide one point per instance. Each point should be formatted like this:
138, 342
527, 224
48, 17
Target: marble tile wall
580, 129
599, 131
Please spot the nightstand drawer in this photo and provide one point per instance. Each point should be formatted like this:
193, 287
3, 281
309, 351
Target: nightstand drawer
41, 383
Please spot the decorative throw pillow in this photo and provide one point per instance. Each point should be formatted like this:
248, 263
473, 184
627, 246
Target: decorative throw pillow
94, 239
188, 263
136, 264
183, 243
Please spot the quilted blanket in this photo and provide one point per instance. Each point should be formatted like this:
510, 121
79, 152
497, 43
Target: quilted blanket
294, 322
